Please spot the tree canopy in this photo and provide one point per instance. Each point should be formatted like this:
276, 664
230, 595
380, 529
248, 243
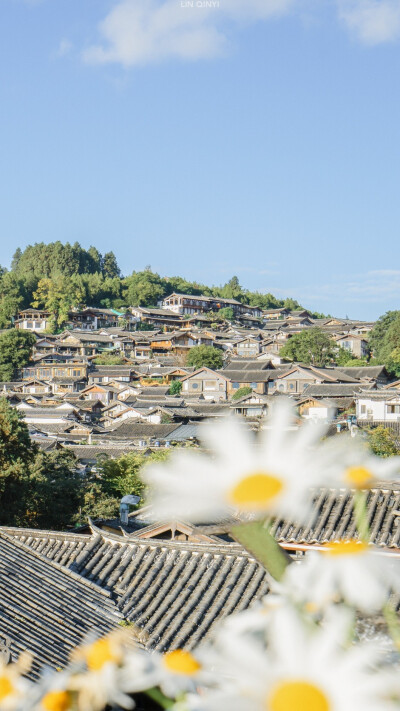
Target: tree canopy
200, 356
385, 341
44, 490
311, 346
241, 392
67, 275
15, 352
37, 489
384, 442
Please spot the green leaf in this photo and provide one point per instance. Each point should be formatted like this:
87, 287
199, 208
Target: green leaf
256, 538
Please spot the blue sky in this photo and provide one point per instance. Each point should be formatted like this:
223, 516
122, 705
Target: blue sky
251, 137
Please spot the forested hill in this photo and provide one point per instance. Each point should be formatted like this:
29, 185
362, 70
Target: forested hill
60, 276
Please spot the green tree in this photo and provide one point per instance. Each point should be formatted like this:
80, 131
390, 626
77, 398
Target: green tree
231, 290
16, 259
121, 476
241, 392
59, 296
95, 260
13, 297
175, 387
345, 358
17, 455
110, 267
311, 346
291, 304
15, 352
143, 289
96, 503
109, 359
200, 356
226, 313
383, 442
378, 336
56, 491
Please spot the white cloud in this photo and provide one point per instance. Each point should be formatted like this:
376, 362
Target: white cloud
137, 32
64, 48
372, 21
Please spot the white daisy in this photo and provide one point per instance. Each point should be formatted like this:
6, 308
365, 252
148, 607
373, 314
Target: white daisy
349, 463
272, 476
99, 678
302, 669
348, 569
13, 687
178, 671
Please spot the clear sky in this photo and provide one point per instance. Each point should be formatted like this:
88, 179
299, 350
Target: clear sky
252, 137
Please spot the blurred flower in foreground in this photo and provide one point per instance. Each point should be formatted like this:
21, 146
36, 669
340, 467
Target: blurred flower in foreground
12, 685
102, 677
348, 569
177, 671
350, 464
304, 668
272, 476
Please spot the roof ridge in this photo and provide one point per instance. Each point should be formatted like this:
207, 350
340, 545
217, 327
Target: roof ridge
54, 564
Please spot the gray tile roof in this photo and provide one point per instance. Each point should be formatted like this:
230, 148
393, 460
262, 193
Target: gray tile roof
333, 390
138, 430
332, 518
46, 608
175, 591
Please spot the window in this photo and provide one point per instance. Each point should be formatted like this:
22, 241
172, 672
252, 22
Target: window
235, 386
253, 385
194, 386
210, 384
363, 409
393, 409
76, 373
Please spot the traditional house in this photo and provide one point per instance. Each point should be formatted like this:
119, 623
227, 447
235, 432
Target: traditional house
252, 405
50, 371
212, 385
378, 406
107, 373
90, 319
354, 344
159, 318
33, 320
84, 344
192, 304
275, 314
318, 410
248, 347
299, 377
105, 393
367, 374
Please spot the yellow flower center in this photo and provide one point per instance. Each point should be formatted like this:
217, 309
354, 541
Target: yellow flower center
346, 547
56, 701
100, 653
359, 477
181, 662
297, 696
6, 687
255, 491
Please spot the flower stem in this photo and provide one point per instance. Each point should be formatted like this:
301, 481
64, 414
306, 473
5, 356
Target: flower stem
392, 623
256, 538
361, 515
160, 698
